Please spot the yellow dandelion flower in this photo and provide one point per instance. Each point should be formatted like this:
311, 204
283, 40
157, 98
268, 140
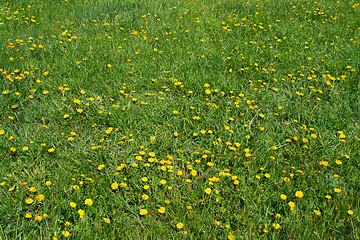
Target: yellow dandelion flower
179, 225
231, 237
81, 213
161, 210
143, 212
317, 212
276, 225
114, 186
65, 233
101, 166
299, 194
208, 190
89, 202
109, 130
40, 197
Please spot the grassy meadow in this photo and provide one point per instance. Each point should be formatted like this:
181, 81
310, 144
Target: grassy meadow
141, 119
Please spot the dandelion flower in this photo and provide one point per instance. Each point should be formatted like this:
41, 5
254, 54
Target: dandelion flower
143, 212
40, 197
338, 162
101, 166
114, 186
81, 213
109, 130
89, 202
179, 225
317, 212
276, 225
291, 205
299, 194
231, 237
161, 210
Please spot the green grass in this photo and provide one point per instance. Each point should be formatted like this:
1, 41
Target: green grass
251, 100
